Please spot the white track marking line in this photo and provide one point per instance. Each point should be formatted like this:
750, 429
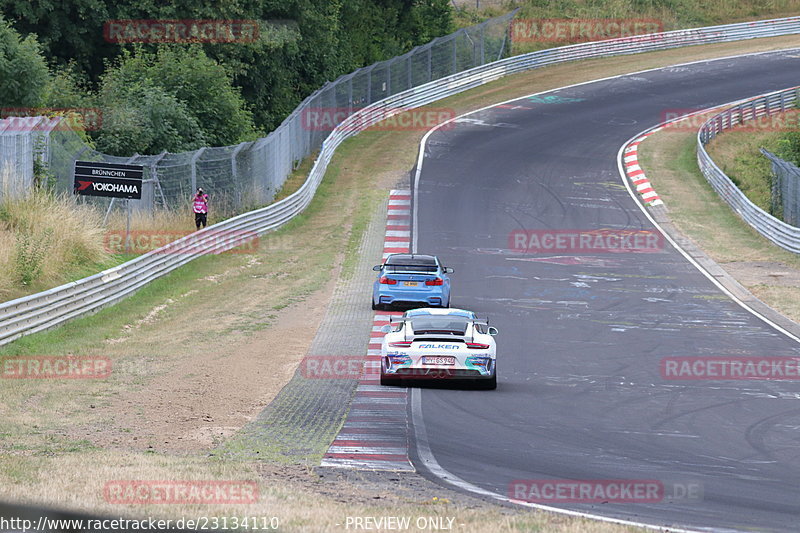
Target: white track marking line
423, 449
429, 461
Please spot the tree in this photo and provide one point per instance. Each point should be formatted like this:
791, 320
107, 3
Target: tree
146, 119
325, 39
69, 30
23, 70
198, 86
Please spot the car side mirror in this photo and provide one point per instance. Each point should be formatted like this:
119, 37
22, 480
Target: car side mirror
386, 329
377, 268
492, 331
448, 270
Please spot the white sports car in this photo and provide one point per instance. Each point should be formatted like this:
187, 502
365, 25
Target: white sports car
439, 344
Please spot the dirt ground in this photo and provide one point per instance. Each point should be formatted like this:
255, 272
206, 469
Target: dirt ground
201, 398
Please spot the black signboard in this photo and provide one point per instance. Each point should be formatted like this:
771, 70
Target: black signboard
108, 179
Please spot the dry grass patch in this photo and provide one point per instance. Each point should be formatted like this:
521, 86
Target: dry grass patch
297, 498
671, 15
44, 235
157, 220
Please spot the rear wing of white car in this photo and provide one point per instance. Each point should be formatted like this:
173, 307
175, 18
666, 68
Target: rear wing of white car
477, 324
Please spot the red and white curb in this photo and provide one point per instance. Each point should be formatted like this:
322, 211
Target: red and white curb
375, 434
635, 172
398, 224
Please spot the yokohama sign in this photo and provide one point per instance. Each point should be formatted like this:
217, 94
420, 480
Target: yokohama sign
108, 179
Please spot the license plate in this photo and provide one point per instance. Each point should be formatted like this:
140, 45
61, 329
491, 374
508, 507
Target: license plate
411, 283
439, 360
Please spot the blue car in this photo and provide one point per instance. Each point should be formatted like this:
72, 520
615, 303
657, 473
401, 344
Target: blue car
411, 279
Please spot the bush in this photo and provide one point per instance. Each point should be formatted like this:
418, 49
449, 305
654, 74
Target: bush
176, 99
789, 147
42, 236
147, 120
31, 250
23, 70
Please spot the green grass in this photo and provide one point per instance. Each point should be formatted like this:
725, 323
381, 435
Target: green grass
86, 334
674, 14
738, 154
705, 212
697, 209
81, 335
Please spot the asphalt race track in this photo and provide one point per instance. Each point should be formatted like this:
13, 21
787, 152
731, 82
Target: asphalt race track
580, 393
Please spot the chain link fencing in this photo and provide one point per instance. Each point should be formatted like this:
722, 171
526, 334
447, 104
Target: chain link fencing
784, 233
23, 141
244, 176
48, 309
785, 189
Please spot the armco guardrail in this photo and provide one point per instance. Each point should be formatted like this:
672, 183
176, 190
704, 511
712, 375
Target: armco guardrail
50, 308
784, 235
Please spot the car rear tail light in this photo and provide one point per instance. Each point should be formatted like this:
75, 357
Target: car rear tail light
388, 281
477, 346
400, 344
437, 281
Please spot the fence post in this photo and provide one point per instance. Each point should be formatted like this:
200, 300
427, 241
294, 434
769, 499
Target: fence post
455, 54
506, 35
234, 172
154, 176
350, 97
430, 63
195, 157
791, 198
111, 203
369, 86
483, 44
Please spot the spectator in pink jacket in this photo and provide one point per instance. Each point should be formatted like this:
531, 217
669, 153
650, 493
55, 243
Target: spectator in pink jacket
200, 208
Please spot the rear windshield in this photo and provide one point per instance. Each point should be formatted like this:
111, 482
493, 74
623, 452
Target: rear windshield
411, 268
411, 263
452, 325
450, 312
